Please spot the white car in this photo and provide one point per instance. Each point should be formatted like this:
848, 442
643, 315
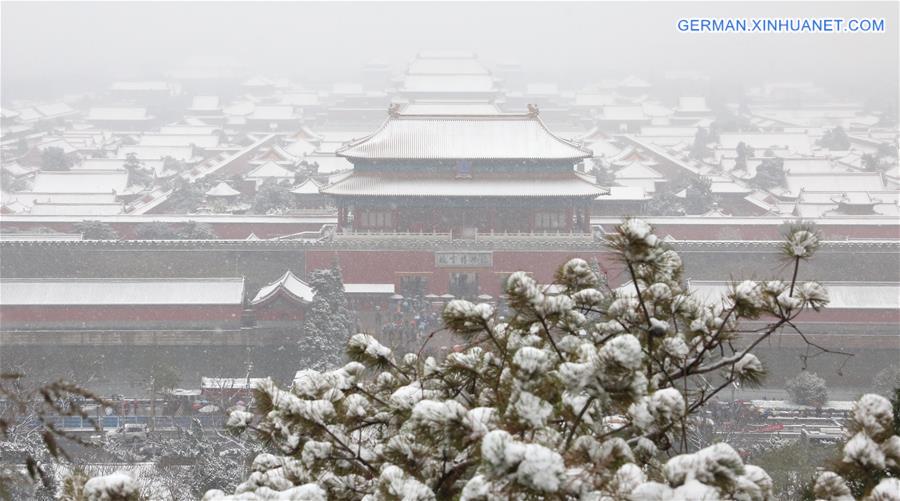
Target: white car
131, 432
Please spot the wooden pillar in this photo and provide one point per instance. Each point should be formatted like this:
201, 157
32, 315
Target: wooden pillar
587, 217
569, 219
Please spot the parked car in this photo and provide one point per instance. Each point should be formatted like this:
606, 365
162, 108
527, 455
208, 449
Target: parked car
131, 432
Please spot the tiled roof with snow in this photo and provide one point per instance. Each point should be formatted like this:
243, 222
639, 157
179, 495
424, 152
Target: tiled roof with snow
638, 170
412, 186
450, 108
128, 291
80, 181
329, 164
205, 103
795, 142
201, 141
270, 170
504, 136
81, 209
448, 83
288, 283
55, 110
301, 99
117, 113
194, 130
222, 190
306, 188
624, 193
144, 152
836, 182
273, 113
690, 104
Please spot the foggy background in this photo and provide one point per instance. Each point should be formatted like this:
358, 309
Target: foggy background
50, 49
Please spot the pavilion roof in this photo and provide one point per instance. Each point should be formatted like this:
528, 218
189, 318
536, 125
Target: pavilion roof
494, 136
289, 283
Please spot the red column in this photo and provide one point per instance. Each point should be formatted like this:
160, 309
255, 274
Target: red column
569, 219
587, 218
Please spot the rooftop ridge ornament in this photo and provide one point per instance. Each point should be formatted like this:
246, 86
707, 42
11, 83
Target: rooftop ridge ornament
394, 110
533, 110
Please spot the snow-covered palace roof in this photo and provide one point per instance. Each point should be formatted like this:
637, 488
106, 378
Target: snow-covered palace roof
288, 283
415, 186
114, 291
495, 136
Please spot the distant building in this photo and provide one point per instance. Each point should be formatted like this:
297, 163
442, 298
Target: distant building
463, 174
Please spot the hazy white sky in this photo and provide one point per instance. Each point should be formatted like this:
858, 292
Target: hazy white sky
65, 46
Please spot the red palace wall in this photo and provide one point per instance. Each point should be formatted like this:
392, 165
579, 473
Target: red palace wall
387, 266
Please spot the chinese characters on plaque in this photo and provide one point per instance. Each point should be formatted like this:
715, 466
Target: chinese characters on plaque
463, 259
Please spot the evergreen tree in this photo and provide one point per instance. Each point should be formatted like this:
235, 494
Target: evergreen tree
137, 172
192, 230
770, 174
699, 150
698, 195
55, 159
808, 389
272, 196
835, 139
96, 230
743, 153
329, 321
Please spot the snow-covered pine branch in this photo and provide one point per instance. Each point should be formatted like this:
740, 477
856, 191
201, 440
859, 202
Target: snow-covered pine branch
576, 395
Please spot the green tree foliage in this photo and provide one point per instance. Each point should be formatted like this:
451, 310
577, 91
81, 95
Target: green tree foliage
807, 389
329, 321
55, 159
603, 174
770, 174
192, 230
272, 196
185, 197
887, 381
700, 147
884, 158
743, 153
137, 172
96, 230
835, 139
794, 466
698, 195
